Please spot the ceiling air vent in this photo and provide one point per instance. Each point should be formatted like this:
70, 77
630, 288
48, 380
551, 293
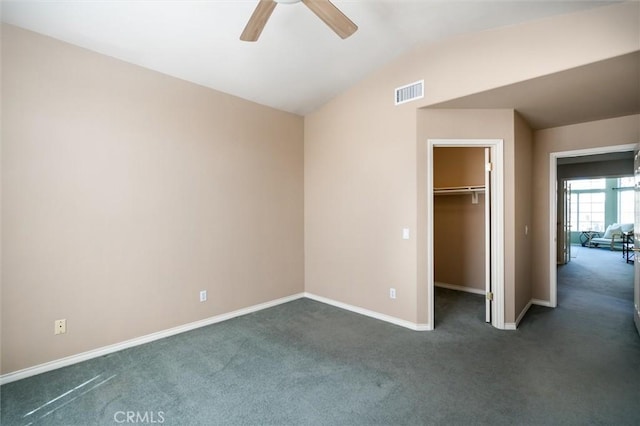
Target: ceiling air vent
410, 92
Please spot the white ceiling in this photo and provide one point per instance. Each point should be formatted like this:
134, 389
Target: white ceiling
297, 65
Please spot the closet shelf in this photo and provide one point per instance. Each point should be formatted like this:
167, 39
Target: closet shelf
458, 190
455, 190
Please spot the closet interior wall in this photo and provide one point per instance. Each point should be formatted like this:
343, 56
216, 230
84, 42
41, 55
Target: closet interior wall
459, 225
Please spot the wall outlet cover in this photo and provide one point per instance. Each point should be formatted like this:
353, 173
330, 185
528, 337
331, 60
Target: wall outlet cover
60, 326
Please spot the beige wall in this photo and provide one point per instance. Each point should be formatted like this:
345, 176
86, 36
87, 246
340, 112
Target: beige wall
363, 173
359, 194
126, 192
453, 167
486, 60
523, 206
596, 134
459, 241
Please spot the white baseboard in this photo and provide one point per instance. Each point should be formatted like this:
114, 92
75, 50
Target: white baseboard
460, 288
514, 325
544, 303
524, 311
105, 350
362, 311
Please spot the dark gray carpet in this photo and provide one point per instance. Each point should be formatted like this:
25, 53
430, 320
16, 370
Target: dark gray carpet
308, 363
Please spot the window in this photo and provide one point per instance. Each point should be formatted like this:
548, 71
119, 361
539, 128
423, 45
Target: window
626, 200
587, 204
626, 182
587, 211
586, 184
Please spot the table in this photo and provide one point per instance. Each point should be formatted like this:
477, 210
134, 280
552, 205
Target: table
586, 236
627, 247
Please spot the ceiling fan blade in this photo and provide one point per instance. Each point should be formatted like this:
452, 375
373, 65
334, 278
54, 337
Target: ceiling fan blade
258, 20
332, 16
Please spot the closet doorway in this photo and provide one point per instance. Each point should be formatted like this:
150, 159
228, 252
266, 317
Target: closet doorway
465, 183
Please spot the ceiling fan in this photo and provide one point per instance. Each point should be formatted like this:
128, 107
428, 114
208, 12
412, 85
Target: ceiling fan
324, 9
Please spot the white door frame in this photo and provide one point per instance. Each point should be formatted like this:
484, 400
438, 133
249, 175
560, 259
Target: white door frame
553, 207
497, 222
636, 242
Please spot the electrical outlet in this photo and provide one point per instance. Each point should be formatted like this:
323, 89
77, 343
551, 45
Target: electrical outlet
203, 296
392, 293
60, 326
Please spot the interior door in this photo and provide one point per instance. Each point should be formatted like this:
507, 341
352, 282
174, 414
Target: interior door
487, 234
563, 239
636, 243
567, 222
559, 222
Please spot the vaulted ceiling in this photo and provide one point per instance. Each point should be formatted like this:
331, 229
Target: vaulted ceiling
298, 63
